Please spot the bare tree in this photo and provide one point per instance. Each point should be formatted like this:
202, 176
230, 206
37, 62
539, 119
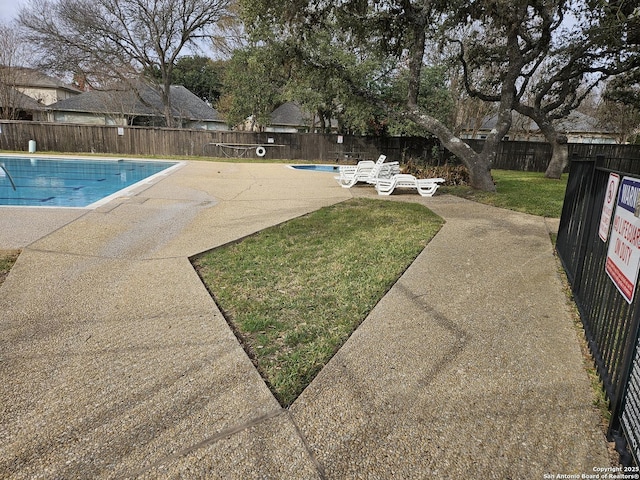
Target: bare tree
109, 40
11, 55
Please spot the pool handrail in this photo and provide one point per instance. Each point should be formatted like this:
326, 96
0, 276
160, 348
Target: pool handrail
13, 184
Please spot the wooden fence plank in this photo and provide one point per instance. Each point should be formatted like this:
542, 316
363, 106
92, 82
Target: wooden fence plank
160, 142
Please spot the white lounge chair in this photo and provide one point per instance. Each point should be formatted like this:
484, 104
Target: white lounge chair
366, 171
425, 186
349, 173
383, 170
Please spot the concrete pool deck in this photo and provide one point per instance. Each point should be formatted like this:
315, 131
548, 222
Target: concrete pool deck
116, 363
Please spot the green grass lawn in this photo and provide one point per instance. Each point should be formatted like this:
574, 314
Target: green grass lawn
295, 292
527, 192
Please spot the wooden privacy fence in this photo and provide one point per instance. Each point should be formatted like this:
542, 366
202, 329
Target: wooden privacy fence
161, 142
166, 142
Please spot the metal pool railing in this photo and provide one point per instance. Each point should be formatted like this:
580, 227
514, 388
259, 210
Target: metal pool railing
13, 184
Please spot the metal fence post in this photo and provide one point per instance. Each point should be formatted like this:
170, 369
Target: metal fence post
584, 240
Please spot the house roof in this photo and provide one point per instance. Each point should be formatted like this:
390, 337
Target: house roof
21, 101
30, 78
575, 122
290, 114
194, 105
148, 103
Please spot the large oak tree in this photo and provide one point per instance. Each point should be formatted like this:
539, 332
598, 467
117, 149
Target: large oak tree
497, 41
601, 45
538, 57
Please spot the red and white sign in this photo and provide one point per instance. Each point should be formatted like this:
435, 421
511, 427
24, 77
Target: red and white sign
607, 206
623, 255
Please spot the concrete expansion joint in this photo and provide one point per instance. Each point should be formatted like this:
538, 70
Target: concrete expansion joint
319, 468
441, 319
107, 257
226, 433
59, 252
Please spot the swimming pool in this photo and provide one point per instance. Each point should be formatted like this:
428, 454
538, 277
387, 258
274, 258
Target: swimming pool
317, 168
52, 182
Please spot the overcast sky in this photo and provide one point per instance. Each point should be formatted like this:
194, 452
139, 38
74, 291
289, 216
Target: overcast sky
9, 9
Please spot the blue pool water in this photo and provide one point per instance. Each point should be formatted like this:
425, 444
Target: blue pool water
46, 182
317, 168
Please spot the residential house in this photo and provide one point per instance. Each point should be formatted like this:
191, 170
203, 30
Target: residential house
290, 117
16, 105
577, 126
42, 88
582, 128
25, 93
143, 107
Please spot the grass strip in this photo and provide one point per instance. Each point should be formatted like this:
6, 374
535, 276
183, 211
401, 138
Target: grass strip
7, 259
295, 292
527, 192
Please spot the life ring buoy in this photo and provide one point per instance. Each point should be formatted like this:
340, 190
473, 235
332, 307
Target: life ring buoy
261, 151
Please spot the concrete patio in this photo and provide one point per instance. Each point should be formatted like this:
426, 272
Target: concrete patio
116, 363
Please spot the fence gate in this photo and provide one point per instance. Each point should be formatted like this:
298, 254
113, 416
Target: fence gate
600, 254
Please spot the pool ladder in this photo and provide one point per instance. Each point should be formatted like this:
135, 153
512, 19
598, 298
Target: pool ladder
8, 176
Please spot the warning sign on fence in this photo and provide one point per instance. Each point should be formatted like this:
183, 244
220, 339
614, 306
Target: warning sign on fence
623, 255
608, 205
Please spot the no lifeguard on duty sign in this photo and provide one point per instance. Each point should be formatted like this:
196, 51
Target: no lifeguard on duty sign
623, 254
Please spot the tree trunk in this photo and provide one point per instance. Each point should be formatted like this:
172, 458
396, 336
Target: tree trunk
478, 164
559, 148
559, 156
480, 175
166, 101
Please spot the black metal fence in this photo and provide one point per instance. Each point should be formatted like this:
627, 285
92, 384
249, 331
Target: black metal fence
610, 320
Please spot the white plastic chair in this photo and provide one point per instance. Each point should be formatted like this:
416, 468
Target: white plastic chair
425, 186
